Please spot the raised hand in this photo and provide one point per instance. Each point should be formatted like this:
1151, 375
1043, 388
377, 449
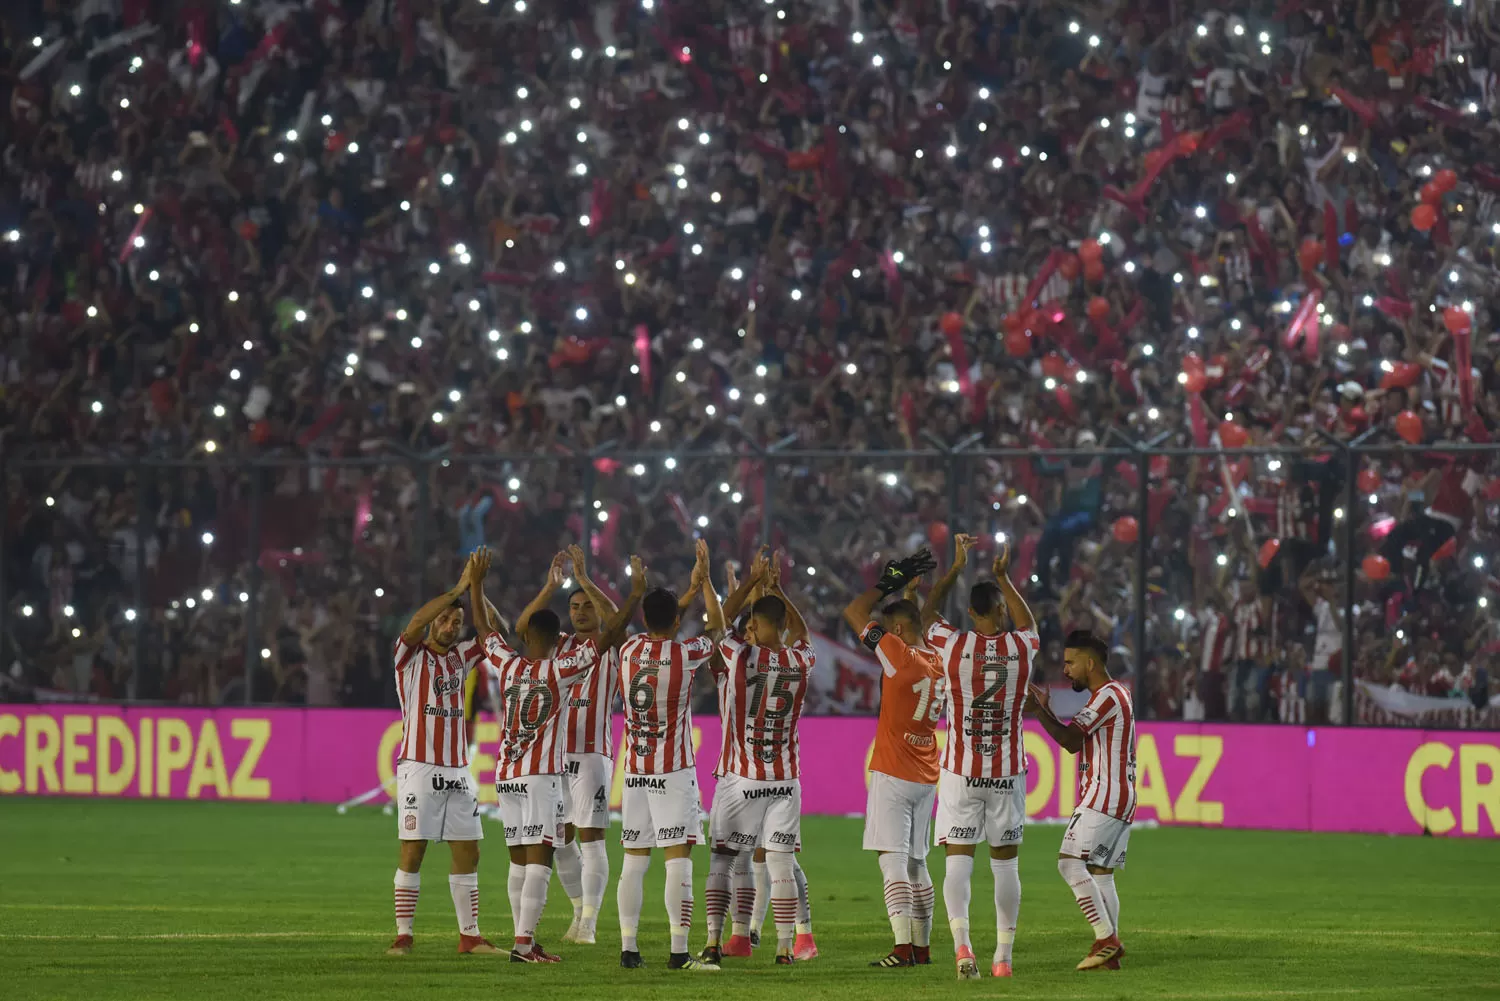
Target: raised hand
961, 546
1037, 697
556, 574
1002, 561
760, 567
479, 563
774, 580
731, 578
700, 563
637, 576
580, 563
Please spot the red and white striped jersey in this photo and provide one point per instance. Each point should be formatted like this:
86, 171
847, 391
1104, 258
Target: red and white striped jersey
430, 687
987, 676
1214, 634
760, 700
656, 677
1106, 776
585, 717
530, 704
1248, 627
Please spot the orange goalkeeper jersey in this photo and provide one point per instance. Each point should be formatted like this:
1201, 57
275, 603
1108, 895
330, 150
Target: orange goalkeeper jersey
912, 693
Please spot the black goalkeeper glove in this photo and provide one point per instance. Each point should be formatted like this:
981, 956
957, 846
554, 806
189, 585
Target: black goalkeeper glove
898, 573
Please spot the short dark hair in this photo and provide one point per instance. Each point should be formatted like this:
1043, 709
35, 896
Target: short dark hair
1082, 639
659, 606
545, 626
903, 609
985, 598
770, 608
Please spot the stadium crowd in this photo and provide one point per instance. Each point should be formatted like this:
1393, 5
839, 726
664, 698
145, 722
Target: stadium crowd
464, 272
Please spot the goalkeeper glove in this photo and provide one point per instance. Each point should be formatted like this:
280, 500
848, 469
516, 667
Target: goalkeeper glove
898, 573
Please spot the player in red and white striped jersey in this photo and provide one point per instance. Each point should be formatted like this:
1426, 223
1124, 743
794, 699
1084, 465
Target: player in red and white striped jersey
759, 801
661, 807
582, 863
433, 787
1097, 836
982, 782
529, 766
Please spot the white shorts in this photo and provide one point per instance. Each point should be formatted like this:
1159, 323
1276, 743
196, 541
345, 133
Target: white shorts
660, 811
586, 778
973, 810
753, 813
532, 809
1097, 838
436, 803
898, 815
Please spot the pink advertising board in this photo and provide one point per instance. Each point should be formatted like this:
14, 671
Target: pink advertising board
1393, 781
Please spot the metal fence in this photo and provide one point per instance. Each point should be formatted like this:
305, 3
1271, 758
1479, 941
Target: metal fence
1231, 583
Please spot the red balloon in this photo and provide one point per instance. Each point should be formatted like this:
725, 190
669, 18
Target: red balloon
1431, 194
1090, 250
1268, 551
1189, 142
952, 323
1457, 320
1409, 427
1018, 343
1126, 529
1069, 267
1098, 308
1093, 270
1309, 254
1424, 217
1013, 323
1445, 180
1376, 567
1054, 366
1196, 382
1368, 480
1233, 435
937, 534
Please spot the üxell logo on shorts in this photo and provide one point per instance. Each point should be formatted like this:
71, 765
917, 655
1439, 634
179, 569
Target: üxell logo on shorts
440, 784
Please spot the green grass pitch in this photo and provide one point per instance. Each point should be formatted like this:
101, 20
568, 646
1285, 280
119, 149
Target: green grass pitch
136, 900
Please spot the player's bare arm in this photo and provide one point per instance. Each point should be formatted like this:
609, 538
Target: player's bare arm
604, 607
737, 598
700, 574
943, 586
479, 568
1020, 612
796, 625
613, 632
717, 626
1068, 737
555, 577
424, 616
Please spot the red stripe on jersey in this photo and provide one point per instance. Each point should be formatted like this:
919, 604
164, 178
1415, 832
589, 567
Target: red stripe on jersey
656, 676
987, 677
429, 687
586, 716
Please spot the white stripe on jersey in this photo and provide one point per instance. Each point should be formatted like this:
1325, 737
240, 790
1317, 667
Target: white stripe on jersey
530, 705
656, 677
987, 678
760, 700
1107, 773
430, 687
585, 719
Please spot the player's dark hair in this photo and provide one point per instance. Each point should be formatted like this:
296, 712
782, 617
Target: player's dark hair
1082, 639
985, 598
903, 609
770, 609
659, 606
545, 627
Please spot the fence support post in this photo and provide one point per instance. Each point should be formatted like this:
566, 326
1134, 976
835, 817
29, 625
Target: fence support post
1142, 555
1346, 662
252, 584
422, 472
142, 613
4, 564
767, 488
587, 516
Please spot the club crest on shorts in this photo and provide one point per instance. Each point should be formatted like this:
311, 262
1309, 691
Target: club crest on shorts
411, 821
